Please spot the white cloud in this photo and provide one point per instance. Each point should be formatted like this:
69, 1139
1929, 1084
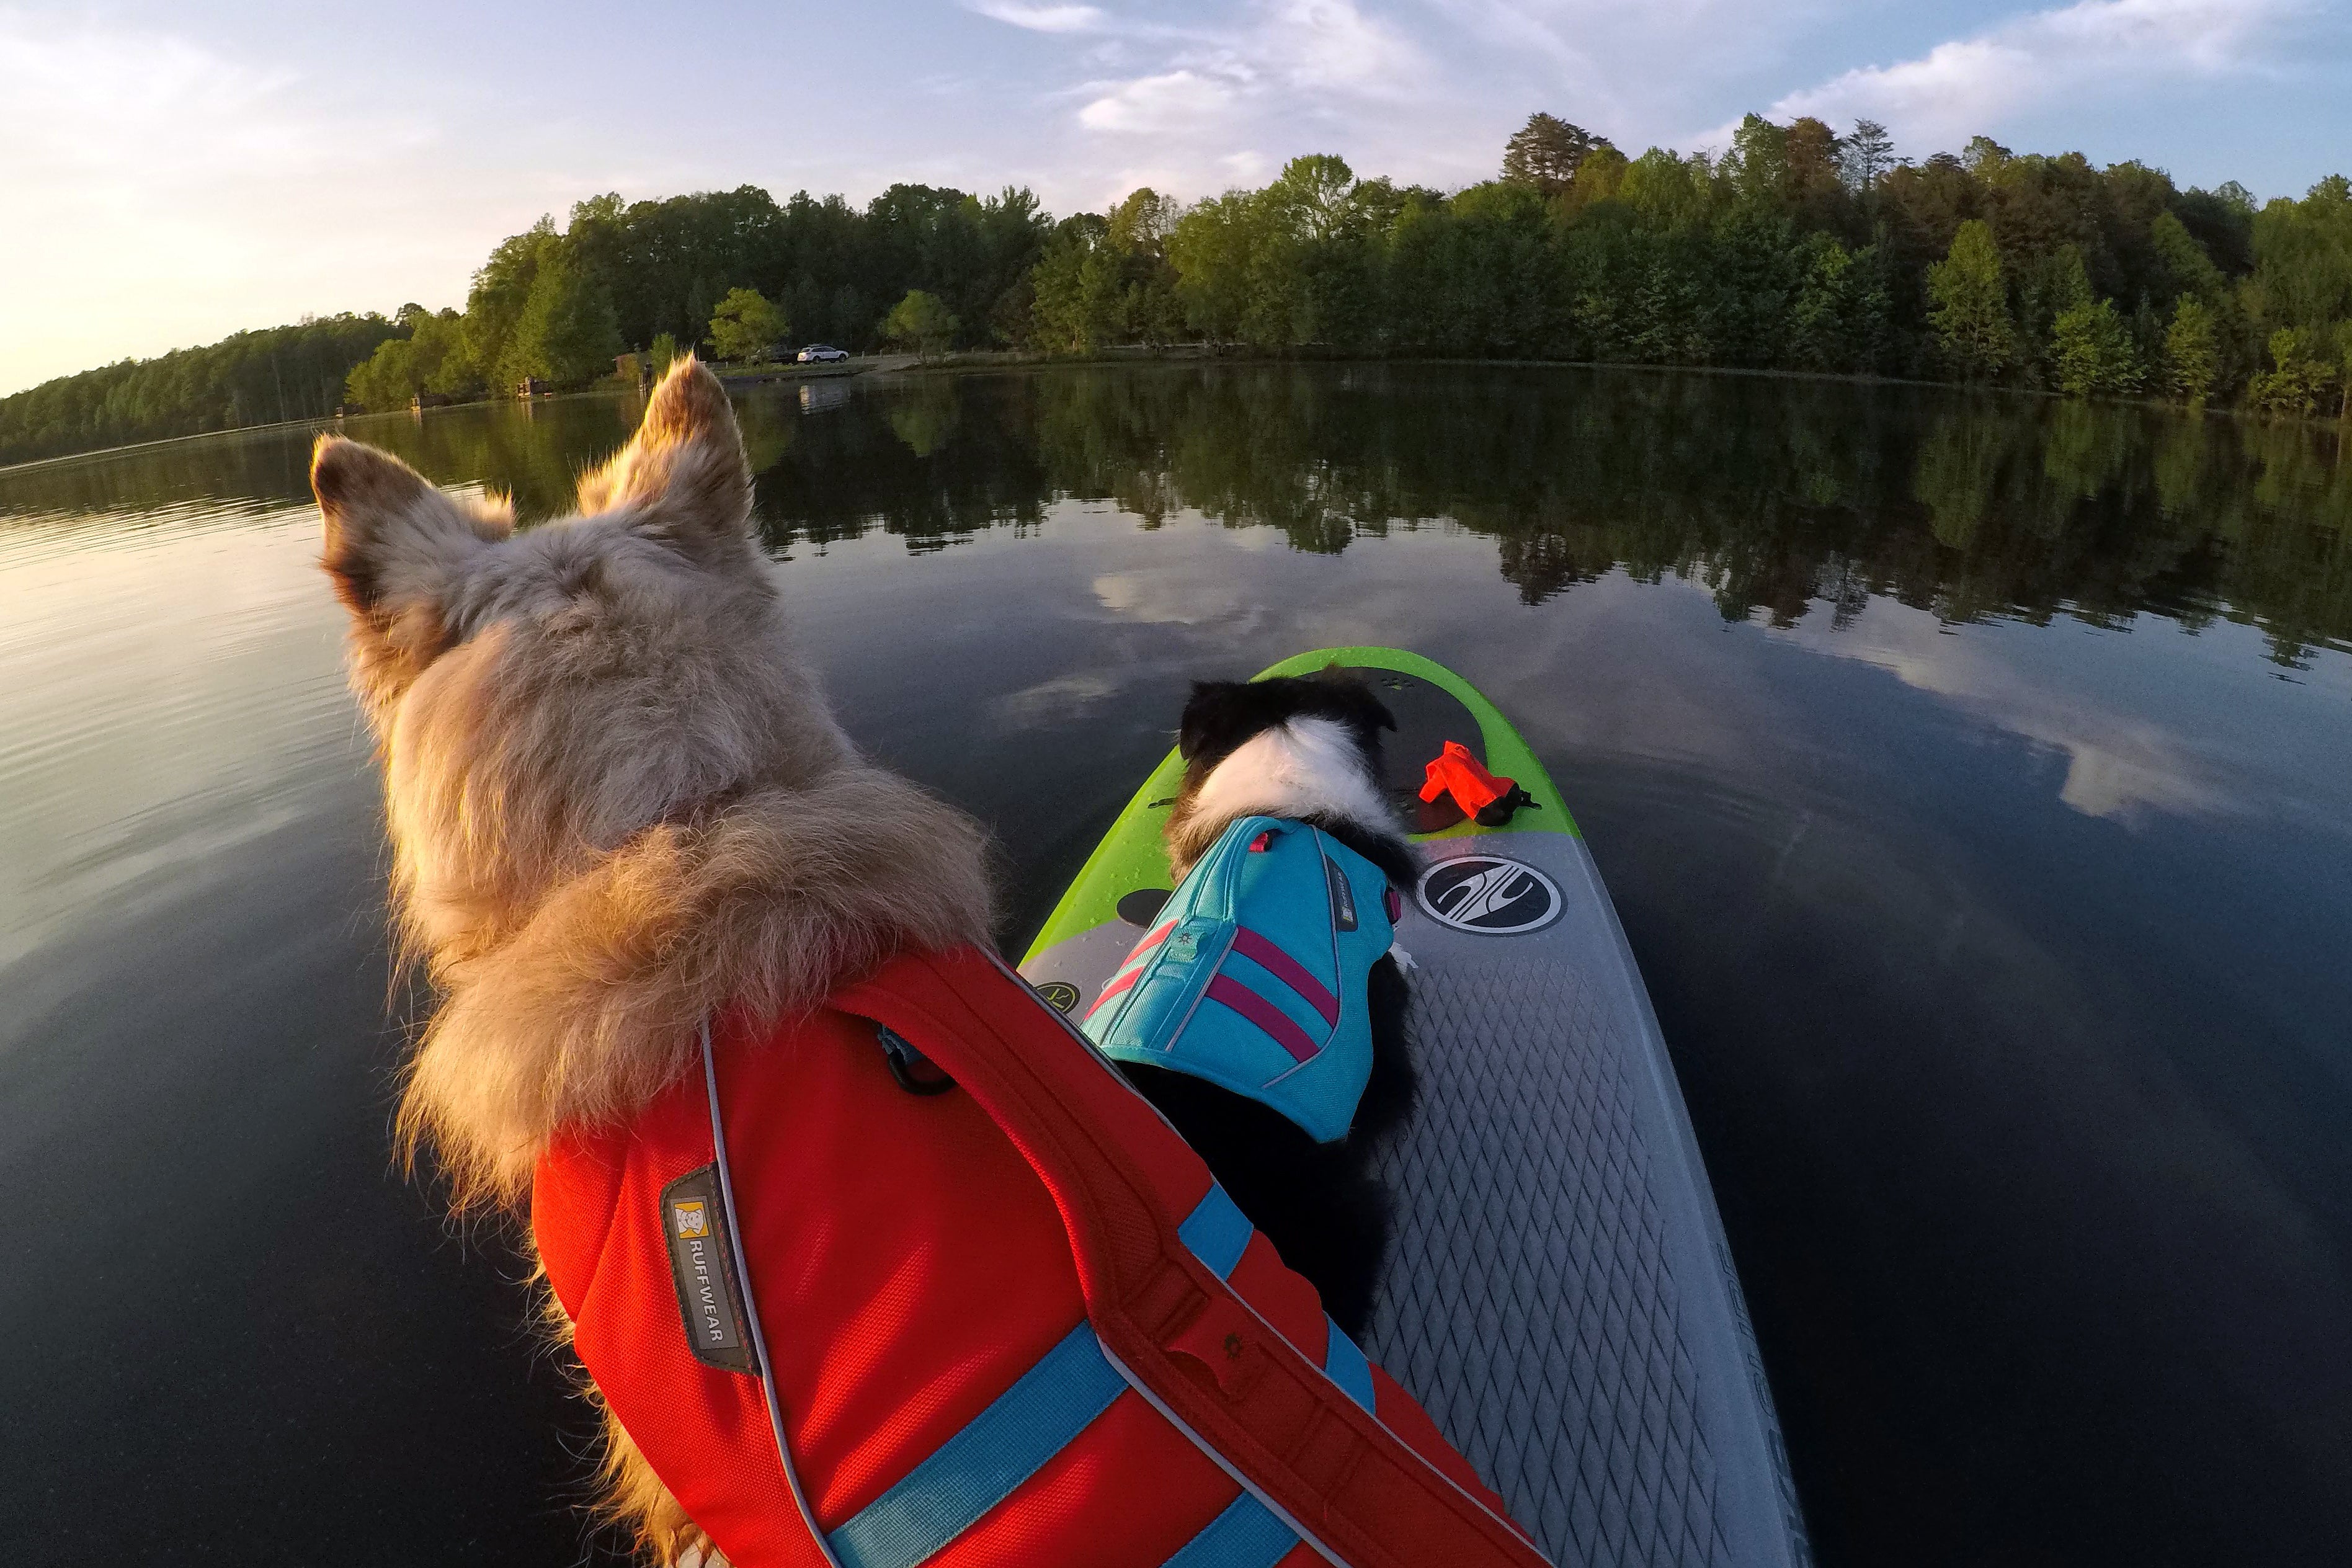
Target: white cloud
179, 193
1173, 102
1219, 92
115, 141
96, 118
1327, 48
1329, 44
1247, 167
1542, 28
1042, 18
1596, 64
2120, 764
1056, 701
1968, 85
1186, 591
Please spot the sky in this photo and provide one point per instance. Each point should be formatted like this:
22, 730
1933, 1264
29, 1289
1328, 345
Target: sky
172, 173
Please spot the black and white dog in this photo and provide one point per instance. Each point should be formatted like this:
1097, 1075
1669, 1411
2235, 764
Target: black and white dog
1306, 748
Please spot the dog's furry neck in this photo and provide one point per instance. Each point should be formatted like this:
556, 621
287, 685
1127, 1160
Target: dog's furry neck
1308, 768
592, 1007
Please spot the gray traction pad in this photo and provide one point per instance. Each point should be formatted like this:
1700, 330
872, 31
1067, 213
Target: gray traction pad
1544, 1338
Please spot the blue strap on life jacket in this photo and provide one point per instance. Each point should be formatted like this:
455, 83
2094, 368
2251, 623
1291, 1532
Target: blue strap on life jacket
1253, 974
981, 1465
1044, 1411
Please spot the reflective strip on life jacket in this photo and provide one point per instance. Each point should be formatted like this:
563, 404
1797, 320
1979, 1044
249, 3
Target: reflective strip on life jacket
1119, 985
1231, 991
1148, 943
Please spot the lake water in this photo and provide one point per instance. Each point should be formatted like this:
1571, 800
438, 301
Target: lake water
1973, 777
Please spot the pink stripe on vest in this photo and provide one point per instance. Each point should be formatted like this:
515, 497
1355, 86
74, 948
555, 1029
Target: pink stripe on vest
1265, 1014
1287, 969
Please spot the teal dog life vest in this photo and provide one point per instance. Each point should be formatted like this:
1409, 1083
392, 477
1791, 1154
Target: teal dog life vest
1253, 976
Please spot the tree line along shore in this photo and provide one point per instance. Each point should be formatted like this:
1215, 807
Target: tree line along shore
1796, 250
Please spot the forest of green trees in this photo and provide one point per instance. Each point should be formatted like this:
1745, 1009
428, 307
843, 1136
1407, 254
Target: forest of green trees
1797, 249
251, 378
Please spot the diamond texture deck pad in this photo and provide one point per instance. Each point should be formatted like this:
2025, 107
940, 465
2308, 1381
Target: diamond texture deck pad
1527, 1299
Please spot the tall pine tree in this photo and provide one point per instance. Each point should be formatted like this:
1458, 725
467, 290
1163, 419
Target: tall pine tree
1971, 313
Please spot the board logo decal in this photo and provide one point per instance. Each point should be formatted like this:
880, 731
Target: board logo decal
694, 1223
1059, 994
1488, 895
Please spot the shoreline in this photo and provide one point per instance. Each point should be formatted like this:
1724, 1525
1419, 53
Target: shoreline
313, 422
859, 364
974, 361
969, 362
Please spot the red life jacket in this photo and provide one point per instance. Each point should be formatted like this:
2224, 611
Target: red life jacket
1012, 1323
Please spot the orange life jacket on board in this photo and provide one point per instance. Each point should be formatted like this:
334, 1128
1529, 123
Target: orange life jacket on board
1014, 1322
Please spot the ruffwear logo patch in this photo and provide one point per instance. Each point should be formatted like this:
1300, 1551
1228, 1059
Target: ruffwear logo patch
1488, 894
702, 1263
1343, 897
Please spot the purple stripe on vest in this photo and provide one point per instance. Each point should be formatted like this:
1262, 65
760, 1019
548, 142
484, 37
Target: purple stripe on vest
1287, 969
1264, 1013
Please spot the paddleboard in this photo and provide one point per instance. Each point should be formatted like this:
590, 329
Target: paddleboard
1557, 1294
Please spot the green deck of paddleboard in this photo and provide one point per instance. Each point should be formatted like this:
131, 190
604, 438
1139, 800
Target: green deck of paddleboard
1132, 855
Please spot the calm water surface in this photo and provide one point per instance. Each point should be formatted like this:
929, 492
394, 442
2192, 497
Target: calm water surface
1974, 779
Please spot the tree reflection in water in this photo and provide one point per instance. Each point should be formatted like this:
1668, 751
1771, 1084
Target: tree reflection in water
1782, 496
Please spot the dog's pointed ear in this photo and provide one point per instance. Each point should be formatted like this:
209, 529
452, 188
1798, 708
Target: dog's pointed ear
394, 548
391, 538
1212, 718
683, 475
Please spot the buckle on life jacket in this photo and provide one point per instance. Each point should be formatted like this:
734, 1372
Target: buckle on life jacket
913, 1071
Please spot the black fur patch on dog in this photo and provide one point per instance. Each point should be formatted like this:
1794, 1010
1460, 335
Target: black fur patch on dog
1222, 715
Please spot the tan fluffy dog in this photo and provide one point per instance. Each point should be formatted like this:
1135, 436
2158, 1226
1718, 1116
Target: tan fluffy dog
617, 801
